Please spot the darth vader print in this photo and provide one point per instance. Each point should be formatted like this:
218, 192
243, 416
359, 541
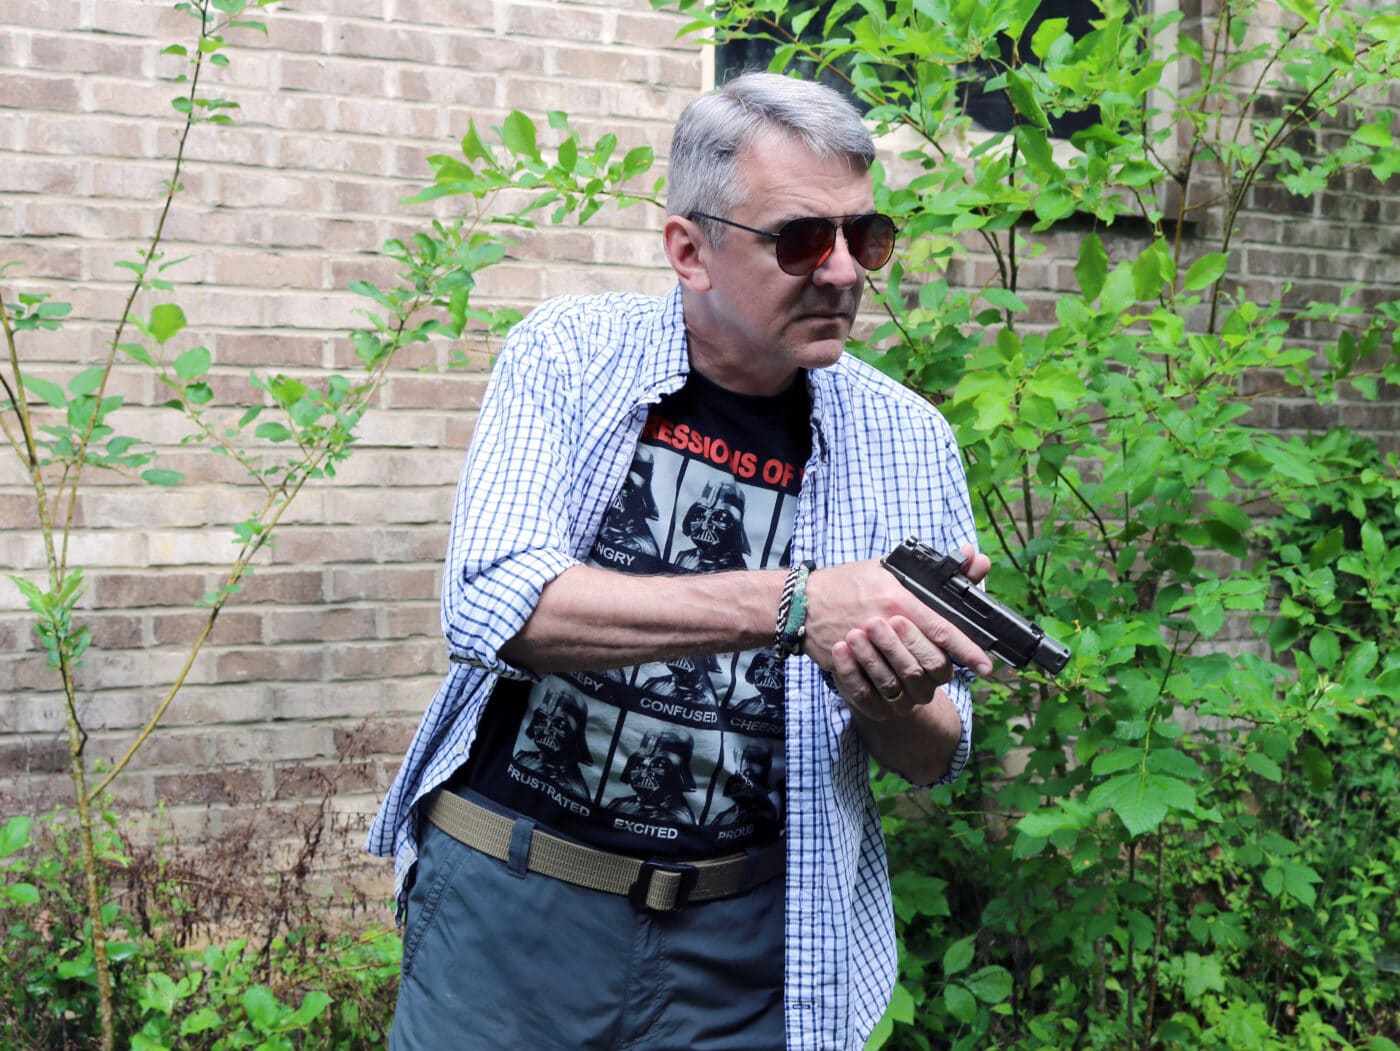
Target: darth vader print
553, 750
750, 788
658, 782
714, 525
627, 528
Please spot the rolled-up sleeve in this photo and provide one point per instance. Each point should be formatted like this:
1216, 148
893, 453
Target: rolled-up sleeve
510, 533
956, 527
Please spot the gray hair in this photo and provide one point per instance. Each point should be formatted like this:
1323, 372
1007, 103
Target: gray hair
714, 129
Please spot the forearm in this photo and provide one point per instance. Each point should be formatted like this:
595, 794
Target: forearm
591, 619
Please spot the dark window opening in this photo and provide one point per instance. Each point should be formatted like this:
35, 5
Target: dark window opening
990, 110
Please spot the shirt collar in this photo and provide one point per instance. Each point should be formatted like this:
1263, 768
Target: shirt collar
666, 359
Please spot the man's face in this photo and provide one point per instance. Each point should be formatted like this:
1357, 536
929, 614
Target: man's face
756, 325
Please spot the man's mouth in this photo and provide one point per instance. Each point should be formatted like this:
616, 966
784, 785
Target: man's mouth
834, 310
828, 316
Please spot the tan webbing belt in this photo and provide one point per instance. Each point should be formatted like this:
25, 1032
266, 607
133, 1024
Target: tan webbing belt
661, 886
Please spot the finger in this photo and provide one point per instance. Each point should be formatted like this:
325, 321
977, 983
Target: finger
975, 565
925, 667
855, 685
877, 650
952, 642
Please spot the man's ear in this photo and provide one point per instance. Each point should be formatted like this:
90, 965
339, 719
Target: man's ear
689, 252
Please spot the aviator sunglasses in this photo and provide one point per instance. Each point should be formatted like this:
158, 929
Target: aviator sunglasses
805, 244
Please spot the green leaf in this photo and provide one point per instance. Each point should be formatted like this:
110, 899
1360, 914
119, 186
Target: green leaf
1116, 761
1318, 767
193, 362
1201, 975
137, 352
1375, 134
87, 381
1049, 31
518, 134
958, 955
1037, 149
1092, 268
22, 893
1327, 550
961, 1004
1140, 801
568, 154
1264, 766
637, 160
14, 835
473, 148
1226, 537
1304, 9
313, 1005
1300, 881
1004, 299
1384, 27
52, 309
1041, 824
263, 1008
1118, 294
1023, 99
901, 1007
1147, 275
273, 432
1325, 649
201, 1021
80, 968
800, 21
51, 393
991, 984
166, 320
160, 476
1205, 271
1173, 763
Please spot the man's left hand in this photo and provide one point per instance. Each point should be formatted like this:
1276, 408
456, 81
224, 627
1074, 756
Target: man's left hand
887, 667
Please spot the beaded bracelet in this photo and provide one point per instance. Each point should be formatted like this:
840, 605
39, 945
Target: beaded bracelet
792, 611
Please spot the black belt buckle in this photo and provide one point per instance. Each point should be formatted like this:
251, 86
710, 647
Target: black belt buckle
637, 893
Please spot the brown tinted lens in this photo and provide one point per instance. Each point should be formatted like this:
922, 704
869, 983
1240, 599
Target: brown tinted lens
804, 244
870, 239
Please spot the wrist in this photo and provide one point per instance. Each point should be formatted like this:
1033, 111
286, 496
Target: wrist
791, 629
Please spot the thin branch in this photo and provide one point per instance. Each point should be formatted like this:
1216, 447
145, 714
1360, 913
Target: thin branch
72, 476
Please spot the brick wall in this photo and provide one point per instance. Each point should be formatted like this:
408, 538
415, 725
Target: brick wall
325, 662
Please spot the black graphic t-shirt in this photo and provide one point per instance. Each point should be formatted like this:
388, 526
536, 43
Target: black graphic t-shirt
682, 757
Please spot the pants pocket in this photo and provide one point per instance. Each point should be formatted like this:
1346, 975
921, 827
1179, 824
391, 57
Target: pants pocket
433, 874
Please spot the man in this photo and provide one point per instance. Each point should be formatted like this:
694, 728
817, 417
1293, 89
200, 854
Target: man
538, 919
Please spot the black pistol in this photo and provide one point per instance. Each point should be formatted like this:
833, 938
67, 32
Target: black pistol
935, 578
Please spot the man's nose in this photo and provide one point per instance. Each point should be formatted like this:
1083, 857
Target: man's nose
839, 269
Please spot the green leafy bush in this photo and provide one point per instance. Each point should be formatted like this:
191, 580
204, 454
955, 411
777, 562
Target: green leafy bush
1190, 839
310, 987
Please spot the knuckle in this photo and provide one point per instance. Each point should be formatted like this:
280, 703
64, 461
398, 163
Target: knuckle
918, 678
941, 633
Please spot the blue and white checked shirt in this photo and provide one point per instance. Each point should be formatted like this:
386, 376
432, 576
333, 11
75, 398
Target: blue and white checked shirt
566, 404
